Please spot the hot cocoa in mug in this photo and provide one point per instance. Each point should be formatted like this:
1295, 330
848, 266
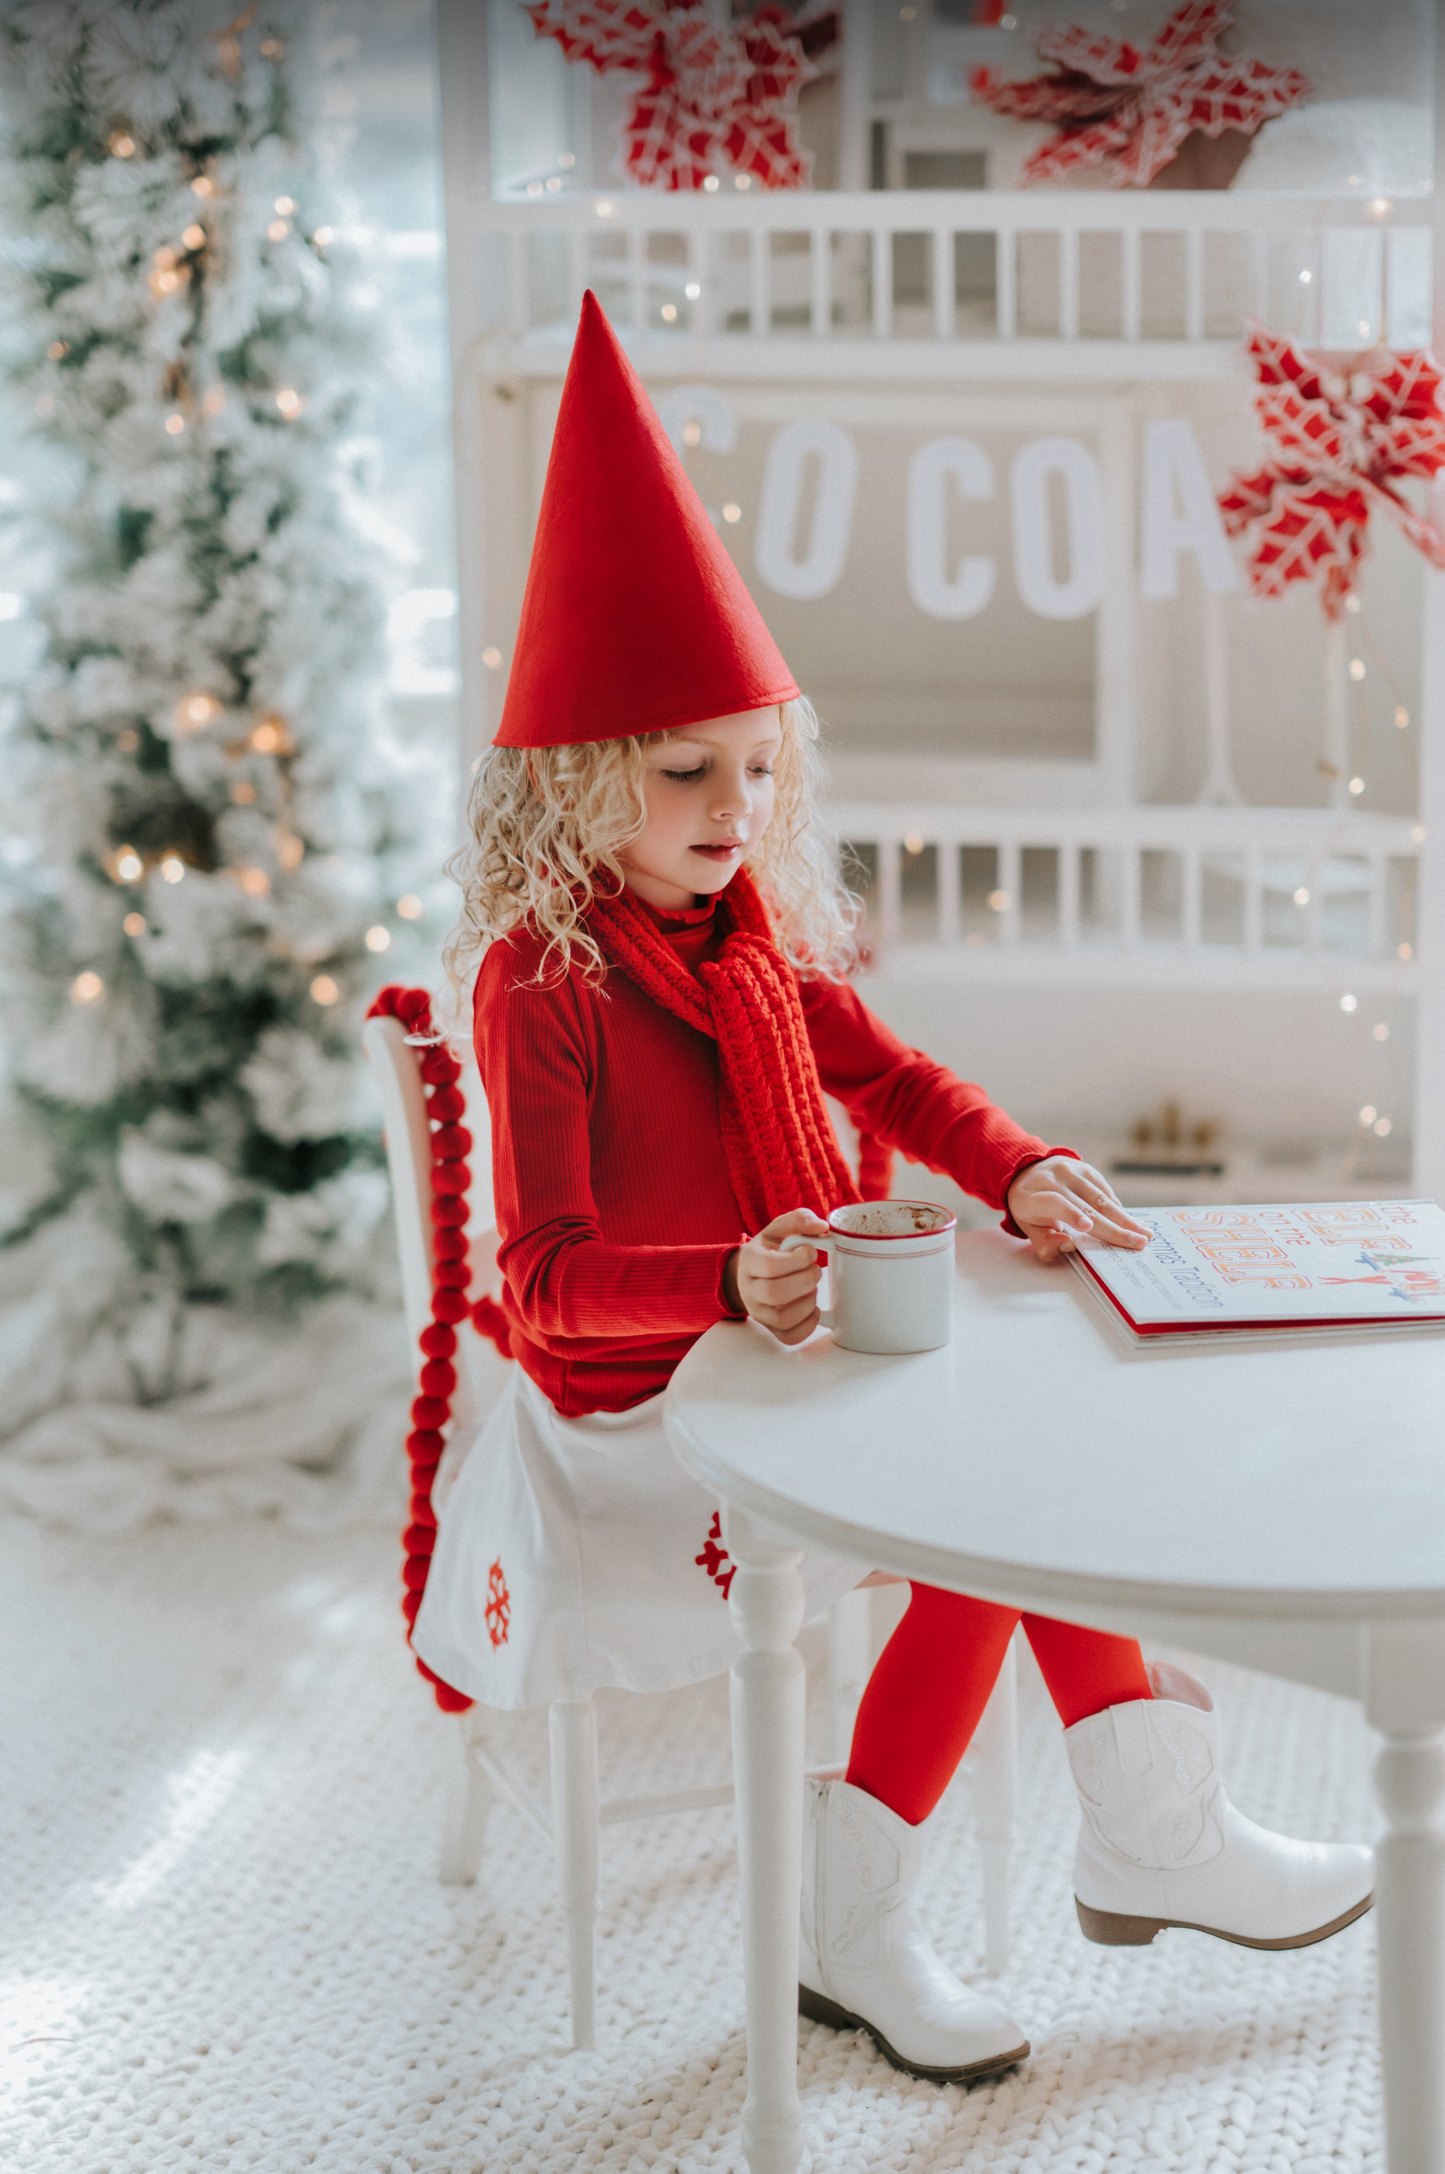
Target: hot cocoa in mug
890, 1274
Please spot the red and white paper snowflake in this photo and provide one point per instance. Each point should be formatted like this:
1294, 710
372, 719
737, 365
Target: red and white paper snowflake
1338, 443
1132, 106
713, 96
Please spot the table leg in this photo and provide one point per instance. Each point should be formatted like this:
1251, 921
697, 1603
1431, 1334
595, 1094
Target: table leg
766, 1599
1410, 1905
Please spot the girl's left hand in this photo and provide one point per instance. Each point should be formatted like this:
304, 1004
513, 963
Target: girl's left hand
1058, 1201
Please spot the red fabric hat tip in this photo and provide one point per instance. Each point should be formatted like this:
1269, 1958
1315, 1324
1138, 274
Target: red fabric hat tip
634, 617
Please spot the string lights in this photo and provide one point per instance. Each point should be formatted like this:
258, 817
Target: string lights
228, 42
194, 711
1374, 1121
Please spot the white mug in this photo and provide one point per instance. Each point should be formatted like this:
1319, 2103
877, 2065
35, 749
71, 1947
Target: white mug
890, 1274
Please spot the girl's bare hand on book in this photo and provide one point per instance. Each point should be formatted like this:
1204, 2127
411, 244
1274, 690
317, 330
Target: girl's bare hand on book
779, 1290
1059, 1202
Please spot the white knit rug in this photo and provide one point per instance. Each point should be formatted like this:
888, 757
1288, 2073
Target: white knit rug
227, 1947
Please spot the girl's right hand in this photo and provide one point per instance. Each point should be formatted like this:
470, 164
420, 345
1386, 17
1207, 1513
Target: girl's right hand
779, 1290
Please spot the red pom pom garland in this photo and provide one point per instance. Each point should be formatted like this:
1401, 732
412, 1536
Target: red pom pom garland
431, 1408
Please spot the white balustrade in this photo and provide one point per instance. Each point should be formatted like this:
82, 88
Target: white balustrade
1184, 274
1259, 897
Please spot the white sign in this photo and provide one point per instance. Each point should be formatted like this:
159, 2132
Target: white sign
815, 463
1180, 514
943, 592
1080, 588
785, 475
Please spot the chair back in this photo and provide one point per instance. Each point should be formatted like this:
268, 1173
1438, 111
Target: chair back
481, 1370
408, 1158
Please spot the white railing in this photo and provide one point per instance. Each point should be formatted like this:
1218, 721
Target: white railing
1101, 269
1224, 895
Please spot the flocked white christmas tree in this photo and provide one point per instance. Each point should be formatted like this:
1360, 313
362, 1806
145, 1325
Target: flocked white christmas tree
195, 761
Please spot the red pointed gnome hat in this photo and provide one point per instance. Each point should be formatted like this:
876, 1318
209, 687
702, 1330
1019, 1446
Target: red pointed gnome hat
635, 619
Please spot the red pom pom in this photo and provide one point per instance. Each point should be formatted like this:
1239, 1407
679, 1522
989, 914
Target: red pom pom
418, 1540
450, 1177
450, 1306
414, 1573
451, 1143
449, 1245
488, 1319
423, 1515
414, 1006
410, 1608
440, 1070
438, 1342
424, 1446
428, 1411
383, 1004
438, 1378
452, 1275
450, 1701
447, 1211
447, 1105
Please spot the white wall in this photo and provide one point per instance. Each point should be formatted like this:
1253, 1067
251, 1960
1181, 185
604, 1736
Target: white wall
1280, 1071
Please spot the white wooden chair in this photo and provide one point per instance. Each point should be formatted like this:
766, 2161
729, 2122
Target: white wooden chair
578, 1812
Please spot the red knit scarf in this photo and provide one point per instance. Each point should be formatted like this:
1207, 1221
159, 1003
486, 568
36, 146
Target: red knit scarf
777, 1136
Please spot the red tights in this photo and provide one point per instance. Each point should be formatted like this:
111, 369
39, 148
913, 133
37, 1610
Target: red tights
933, 1679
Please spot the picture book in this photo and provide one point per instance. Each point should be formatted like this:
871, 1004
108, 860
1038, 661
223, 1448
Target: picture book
1296, 1265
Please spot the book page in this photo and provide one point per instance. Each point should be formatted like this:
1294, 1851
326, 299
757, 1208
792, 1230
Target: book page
1357, 1260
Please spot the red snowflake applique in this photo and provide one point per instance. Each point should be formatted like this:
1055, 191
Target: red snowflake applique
499, 1605
715, 1559
1130, 107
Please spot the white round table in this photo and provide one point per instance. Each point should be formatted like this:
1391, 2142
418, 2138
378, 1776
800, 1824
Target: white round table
1275, 1501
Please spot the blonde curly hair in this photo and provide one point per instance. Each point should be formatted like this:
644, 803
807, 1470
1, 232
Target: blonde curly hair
548, 827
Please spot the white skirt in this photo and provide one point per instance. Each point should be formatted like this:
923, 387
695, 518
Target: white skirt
576, 1555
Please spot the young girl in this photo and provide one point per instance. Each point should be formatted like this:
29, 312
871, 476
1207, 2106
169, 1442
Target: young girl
661, 1004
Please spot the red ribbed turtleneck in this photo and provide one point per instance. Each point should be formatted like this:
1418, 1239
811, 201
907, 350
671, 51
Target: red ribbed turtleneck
613, 1204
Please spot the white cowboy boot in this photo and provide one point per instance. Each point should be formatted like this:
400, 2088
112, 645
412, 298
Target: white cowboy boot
1161, 1845
865, 1962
